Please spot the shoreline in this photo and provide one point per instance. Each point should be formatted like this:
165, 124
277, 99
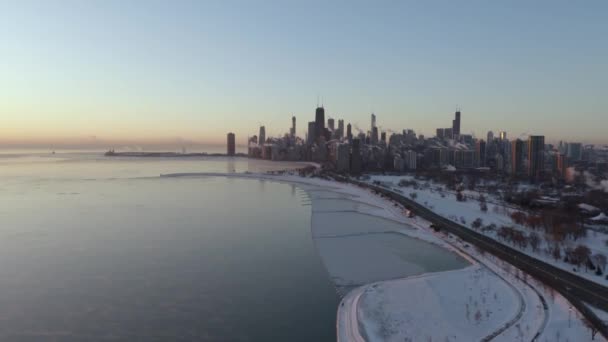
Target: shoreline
545, 317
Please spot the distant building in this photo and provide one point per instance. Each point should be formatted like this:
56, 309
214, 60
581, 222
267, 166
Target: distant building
262, 135
231, 144
319, 122
536, 156
410, 159
293, 127
383, 137
440, 133
448, 133
456, 124
517, 157
349, 132
490, 137
340, 129
503, 135
575, 151
343, 158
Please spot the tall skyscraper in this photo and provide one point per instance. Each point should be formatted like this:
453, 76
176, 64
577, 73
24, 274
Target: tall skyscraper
383, 137
456, 124
490, 137
340, 128
331, 124
517, 157
262, 135
349, 132
293, 126
231, 144
503, 135
319, 122
373, 122
536, 156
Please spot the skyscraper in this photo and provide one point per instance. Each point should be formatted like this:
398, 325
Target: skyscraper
503, 135
231, 144
319, 122
293, 126
340, 128
262, 135
574, 151
456, 124
517, 157
349, 132
536, 156
373, 121
383, 137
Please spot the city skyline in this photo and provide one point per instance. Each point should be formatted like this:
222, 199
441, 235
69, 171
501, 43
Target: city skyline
154, 78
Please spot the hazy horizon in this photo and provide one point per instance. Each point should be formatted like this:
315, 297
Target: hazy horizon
113, 73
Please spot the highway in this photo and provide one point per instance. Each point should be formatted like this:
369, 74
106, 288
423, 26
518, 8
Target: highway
573, 287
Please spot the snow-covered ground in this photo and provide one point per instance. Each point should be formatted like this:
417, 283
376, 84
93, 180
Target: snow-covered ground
511, 305
444, 203
469, 304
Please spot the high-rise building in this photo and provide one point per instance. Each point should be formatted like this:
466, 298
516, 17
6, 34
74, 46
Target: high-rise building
517, 157
503, 135
448, 133
373, 121
293, 126
574, 151
349, 132
383, 137
343, 158
312, 135
456, 124
440, 133
262, 135
536, 156
231, 144
331, 124
340, 128
319, 122
480, 152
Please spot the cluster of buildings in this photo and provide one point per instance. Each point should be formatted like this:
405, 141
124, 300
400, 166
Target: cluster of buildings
339, 148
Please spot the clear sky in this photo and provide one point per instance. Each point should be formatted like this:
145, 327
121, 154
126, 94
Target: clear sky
141, 71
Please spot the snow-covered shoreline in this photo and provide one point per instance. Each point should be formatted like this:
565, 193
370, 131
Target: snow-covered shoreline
356, 319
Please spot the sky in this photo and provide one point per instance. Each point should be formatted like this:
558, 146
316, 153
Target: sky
142, 72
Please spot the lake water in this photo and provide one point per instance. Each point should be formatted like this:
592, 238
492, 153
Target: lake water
93, 248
